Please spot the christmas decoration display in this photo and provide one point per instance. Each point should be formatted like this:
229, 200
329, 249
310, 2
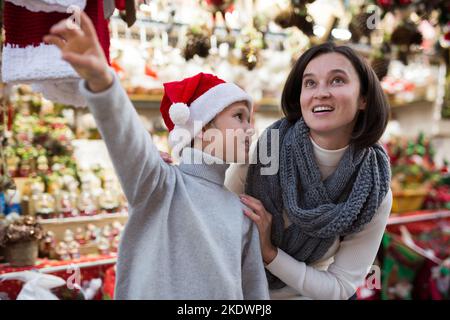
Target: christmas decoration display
198, 42
414, 172
20, 237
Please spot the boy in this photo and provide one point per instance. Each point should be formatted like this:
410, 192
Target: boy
187, 236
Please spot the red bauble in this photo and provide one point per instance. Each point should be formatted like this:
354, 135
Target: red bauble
385, 3
447, 36
219, 5
404, 2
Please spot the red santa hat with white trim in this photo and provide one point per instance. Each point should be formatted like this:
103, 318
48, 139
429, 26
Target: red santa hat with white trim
196, 99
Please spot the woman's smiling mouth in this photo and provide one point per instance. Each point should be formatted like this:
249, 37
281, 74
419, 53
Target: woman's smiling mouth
322, 109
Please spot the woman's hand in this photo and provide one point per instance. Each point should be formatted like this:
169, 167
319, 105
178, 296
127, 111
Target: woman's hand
166, 157
80, 47
263, 220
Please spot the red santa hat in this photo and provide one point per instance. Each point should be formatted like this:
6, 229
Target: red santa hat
197, 99
49, 5
27, 59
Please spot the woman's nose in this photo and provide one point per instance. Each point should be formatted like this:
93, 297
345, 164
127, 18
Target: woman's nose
322, 92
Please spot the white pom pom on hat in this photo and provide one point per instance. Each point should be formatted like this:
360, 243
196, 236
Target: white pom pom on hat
179, 113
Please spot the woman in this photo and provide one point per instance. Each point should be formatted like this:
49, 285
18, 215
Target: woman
321, 217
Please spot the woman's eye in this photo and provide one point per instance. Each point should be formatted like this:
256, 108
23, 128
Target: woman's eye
309, 83
239, 116
337, 81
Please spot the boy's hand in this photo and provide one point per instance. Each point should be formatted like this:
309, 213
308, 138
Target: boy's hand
80, 47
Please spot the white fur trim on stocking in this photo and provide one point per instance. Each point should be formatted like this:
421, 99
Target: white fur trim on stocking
179, 113
49, 5
61, 91
31, 64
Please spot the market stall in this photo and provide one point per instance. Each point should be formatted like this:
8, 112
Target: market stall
61, 204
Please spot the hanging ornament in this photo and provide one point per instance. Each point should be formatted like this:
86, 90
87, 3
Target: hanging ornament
250, 43
385, 4
296, 17
381, 60
446, 36
198, 42
406, 34
359, 25
219, 5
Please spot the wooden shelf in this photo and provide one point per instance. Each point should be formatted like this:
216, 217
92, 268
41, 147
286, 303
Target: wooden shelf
84, 219
60, 225
403, 218
80, 265
418, 103
144, 101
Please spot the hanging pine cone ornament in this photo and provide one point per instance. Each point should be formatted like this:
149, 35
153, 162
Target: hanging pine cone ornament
381, 60
406, 34
198, 42
284, 18
304, 23
295, 18
381, 66
359, 25
300, 3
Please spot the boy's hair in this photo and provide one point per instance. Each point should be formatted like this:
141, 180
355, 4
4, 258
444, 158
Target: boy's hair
371, 122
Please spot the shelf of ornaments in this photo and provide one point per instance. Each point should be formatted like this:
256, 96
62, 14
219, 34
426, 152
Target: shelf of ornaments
75, 228
152, 101
416, 216
146, 27
99, 221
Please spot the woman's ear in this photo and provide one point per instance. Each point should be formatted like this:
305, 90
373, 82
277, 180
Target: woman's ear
362, 103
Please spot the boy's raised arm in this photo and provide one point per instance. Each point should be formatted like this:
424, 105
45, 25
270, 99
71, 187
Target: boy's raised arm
134, 156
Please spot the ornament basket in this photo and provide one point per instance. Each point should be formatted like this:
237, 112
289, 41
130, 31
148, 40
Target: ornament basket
408, 200
22, 254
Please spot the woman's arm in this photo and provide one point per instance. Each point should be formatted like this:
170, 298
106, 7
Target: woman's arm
135, 158
351, 265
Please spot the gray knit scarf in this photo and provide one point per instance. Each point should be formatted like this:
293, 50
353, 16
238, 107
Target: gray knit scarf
320, 211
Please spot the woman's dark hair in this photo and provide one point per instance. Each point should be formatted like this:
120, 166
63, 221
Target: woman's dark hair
371, 122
